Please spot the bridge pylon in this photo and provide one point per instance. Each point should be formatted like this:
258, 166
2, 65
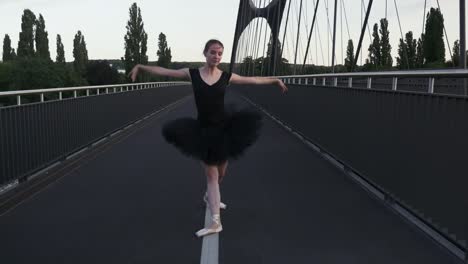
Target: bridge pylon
273, 13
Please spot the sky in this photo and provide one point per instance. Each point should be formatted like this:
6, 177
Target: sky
188, 24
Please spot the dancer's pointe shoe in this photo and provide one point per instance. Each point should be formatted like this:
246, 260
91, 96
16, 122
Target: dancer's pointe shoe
215, 228
221, 204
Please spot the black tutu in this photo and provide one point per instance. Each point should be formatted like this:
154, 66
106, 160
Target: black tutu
215, 143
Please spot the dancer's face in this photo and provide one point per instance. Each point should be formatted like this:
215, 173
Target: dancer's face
214, 55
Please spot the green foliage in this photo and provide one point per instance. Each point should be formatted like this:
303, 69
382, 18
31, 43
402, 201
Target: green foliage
101, 73
456, 53
135, 41
349, 56
385, 47
60, 51
6, 74
80, 53
420, 52
433, 45
42, 39
407, 52
164, 53
375, 53
26, 36
8, 52
34, 73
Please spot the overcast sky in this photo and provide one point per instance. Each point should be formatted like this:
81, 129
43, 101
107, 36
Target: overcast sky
188, 24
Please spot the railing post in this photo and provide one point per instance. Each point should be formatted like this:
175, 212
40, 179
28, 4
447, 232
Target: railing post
75, 94
324, 81
369, 82
42, 97
18, 99
299, 81
314, 81
394, 83
350, 82
97, 91
335, 81
431, 85
306, 81
60, 95
87, 92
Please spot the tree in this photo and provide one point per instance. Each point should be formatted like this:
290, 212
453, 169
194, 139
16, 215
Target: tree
456, 53
26, 36
375, 53
385, 47
164, 53
80, 53
60, 51
349, 56
420, 52
101, 73
42, 40
433, 45
135, 40
407, 53
8, 52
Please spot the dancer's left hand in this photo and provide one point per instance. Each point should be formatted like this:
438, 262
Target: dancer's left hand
283, 87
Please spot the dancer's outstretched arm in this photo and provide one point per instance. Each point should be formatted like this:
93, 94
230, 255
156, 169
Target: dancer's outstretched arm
237, 79
157, 70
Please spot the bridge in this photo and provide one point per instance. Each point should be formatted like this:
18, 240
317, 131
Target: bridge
357, 167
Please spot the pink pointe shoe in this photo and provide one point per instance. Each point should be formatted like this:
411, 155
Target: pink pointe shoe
213, 230
221, 204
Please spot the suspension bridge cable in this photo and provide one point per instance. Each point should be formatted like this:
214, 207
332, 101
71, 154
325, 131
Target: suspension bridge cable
346, 18
311, 30
424, 18
334, 36
263, 53
446, 37
264, 44
256, 40
242, 42
358, 50
285, 28
385, 9
328, 33
320, 41
341, 29
261, 30
368, 28
401, 32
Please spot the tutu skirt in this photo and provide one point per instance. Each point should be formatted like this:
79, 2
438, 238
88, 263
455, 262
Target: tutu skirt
214, 143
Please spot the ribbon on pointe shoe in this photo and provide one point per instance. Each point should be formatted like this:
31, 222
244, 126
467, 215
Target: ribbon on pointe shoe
221, 204
208, 231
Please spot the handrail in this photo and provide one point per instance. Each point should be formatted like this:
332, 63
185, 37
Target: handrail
431, 75
127, 86
415, 73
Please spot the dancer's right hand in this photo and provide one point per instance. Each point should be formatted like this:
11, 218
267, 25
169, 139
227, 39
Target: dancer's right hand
134, 72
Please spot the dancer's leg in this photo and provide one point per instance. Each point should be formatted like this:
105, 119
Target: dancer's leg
213, 198
222, 171
214, 195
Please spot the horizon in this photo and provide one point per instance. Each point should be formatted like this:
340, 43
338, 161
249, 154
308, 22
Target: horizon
207, 19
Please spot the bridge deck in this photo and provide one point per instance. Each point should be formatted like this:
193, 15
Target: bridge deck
140, 201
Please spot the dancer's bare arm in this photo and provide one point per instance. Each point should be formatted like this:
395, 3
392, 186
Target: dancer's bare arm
237, 79
161, 71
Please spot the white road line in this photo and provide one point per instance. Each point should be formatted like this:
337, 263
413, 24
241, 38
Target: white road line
210, 246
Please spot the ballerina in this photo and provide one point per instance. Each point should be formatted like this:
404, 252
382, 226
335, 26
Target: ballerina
219, 133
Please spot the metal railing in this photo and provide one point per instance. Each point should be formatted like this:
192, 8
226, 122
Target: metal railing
36, 135
90, 90
332, 78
